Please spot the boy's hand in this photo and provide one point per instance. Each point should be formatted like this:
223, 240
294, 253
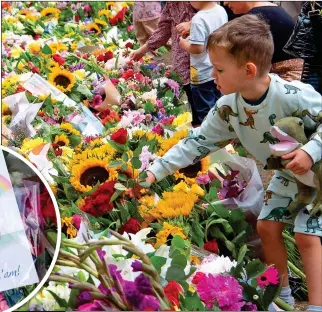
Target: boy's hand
301, 162
150, 178
183, 28
184, 43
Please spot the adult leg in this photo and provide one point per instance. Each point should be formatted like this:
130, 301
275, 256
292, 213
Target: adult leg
140, 33
150, 26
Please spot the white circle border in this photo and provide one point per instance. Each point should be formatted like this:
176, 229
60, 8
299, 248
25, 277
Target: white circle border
53, 262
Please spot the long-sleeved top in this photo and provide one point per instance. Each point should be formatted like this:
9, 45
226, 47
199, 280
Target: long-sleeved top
235, 118
146, 11
173, 14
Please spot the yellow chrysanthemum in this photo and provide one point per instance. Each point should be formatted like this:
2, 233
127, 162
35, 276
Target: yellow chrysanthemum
69, 128
181, 186
30, 144
90, 172
170, 142
100, 22
53, 187
57, 47
107, 13
97, 142
182, 120
34, 47
70, 229
168, 230
61, 140
53, 66
146, 204
5, 109
194, 188
74, 46
31, 17
150, 136
93, 28
174, 204
62, 80
12, 19
50, 13
67, 154
80, 202
194, 260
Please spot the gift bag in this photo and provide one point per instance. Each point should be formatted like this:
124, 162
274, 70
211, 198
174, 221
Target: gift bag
252, 197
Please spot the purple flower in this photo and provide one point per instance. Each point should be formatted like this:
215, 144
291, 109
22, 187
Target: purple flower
97, 100
158, 129
159, 103
203, 179
225, 290
136, 266
35, 307
174, 87
97, 305
145, 158
78, 66
77, 220
143, 285
84, 297
104, 290
101, 253
87, 8
249, 306
61, 5
116, 274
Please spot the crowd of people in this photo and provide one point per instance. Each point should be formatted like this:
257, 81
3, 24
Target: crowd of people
239, 81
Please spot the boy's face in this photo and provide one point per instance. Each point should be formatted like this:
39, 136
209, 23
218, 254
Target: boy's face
230, 77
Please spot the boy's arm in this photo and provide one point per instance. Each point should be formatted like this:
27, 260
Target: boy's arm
310, 103
190, 48
195, 43
212, 135
162, 34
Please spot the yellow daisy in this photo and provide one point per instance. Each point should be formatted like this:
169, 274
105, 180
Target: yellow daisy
50, 13
69, 128
93, 28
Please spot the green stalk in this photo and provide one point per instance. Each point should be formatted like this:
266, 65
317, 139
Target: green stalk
283, 305
289, 238
297, 271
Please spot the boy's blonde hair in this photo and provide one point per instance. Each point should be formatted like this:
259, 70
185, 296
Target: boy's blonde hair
247, 39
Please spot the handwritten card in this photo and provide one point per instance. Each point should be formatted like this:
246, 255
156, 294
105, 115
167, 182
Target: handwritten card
16, 264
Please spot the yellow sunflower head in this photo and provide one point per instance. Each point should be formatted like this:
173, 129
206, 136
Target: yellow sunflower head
69, 128
93, 28
100, 22
62, 80
87, 174
61, 140
170, 142
198, 168
50, 13
5, 109
30, 144
52, 66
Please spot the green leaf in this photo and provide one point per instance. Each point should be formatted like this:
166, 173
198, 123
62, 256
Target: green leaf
75, 140
115, 195
148, 107
270, 294
46, 50
143, 175
197, 234
120, 187
115, 163
81, 276
191, 302
125, 157
237, 215
175, 273
158, 262
237, 270
241, 254
136, 162
180, 261
82, 89
62, 302
240, 238
178, 242
73, 297
255, 268
249, 292
221, 210
52, 237
119, 147
145, 184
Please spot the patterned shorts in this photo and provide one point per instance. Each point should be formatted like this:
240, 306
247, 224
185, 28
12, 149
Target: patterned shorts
280, 193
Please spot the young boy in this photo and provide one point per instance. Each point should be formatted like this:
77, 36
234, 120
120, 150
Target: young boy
209, 17
241, 53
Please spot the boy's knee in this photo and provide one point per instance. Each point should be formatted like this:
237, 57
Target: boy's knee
304, 241
270, 229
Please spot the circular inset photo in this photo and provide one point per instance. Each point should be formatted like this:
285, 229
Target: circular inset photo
30, 230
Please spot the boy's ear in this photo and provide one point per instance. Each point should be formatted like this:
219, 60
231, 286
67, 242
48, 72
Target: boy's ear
251, 70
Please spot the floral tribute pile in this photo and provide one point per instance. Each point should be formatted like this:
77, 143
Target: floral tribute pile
92, 126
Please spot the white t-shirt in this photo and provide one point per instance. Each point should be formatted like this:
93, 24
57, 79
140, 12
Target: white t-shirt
204, 23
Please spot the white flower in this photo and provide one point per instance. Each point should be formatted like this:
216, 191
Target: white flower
38, 30
150, 96
159, 81
255, 297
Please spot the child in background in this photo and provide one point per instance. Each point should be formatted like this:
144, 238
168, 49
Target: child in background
146, 16
241, 52
209, 17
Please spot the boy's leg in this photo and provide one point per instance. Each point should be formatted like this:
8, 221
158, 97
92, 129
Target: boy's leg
308, 239
187, 90
205, 96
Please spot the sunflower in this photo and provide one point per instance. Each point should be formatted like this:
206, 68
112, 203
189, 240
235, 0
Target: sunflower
174, 204
24, 12
53, 66
170, 142
5, 109
97, 142
200, 167
31, 17
57, 47
34, 47
167, 231
50, 13
93, 28
107, 13
69, 128
90, 172
68, 226
100, 22
150, 136
62, 80
61, 140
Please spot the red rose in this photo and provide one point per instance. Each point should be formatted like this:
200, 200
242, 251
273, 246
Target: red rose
128, 74
108, 56
198, 277
131, 226
35, 69
77, 18
100, 58
77, 219
47, 206
211, 246
172, 291
59, 59
115, 81
129, 45
35, 36
120, 136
